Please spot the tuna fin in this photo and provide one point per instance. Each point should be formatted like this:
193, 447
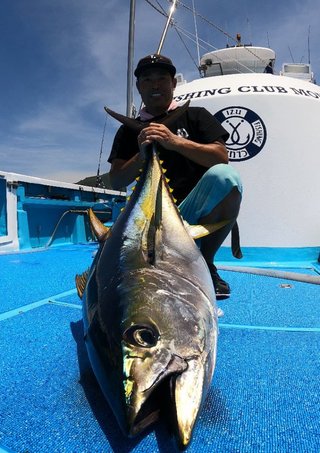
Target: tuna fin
99, 229
81, 281
137, 125
200, 231
131, 123
173, 115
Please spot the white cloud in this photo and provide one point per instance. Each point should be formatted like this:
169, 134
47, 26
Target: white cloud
56, 129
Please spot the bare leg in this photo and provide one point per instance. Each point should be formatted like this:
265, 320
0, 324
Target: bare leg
228, 208
219, 180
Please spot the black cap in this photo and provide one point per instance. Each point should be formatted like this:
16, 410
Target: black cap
155, 61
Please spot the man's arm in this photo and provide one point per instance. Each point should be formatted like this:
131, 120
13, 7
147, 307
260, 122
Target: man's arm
123, 172
204, 154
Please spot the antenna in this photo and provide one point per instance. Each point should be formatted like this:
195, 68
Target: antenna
291, 54
249, 30
196, 31
309, 57
268, 40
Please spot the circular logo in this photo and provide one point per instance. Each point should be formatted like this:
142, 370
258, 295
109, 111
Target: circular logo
247, 132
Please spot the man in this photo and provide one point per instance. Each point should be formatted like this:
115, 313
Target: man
194, 153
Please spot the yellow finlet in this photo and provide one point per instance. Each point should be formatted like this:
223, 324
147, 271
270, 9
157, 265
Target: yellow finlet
81, 281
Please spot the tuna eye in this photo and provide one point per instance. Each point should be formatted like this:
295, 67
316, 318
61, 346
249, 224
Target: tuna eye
142, 336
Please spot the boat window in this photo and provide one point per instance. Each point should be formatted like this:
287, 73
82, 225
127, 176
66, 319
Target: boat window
296, 68
212, 69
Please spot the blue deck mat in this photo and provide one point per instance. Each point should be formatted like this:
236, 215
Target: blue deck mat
261, 301
29, 277
264, 396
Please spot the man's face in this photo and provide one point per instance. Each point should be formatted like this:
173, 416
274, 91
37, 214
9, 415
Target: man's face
156, 88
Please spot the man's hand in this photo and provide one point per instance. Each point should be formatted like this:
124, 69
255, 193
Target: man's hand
206, 154
158, 133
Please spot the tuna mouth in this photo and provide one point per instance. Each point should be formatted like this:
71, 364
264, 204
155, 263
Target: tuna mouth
177, 400
155, 407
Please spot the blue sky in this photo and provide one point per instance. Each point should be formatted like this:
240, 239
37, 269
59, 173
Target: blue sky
63, 60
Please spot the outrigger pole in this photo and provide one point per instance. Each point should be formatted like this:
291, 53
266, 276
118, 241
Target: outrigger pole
165, 31
130, 107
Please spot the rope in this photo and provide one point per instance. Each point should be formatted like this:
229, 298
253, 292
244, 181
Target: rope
217, 28
83, 212
161, 11
178, 30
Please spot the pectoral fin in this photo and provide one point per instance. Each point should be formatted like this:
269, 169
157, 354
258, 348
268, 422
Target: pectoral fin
200, 231
99, 229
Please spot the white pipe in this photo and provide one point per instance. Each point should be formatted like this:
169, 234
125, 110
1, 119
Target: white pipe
296, 276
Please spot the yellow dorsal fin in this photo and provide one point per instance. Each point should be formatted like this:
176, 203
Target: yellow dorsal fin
81, 281
99, 229
200, 231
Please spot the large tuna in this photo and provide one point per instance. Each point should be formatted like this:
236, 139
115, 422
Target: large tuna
149, 311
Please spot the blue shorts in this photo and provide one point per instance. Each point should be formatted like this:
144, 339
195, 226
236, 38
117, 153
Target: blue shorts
213, 187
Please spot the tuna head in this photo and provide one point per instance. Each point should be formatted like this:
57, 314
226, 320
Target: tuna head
148, 310
168, 352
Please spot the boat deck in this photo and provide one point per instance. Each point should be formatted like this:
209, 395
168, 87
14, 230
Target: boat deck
265, 392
